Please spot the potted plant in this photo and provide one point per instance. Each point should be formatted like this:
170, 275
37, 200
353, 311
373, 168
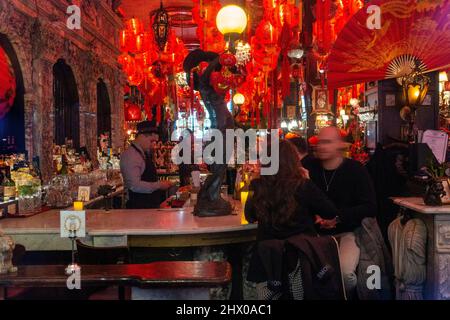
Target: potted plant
435, 189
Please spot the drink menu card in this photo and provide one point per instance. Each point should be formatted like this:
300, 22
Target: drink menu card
437, 141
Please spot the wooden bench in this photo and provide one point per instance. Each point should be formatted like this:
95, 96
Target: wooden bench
188, 275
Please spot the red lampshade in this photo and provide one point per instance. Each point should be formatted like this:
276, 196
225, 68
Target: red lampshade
132, 112
135, 26
7, 85
447, 86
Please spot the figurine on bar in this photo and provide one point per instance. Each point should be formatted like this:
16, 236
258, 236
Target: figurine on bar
6, 252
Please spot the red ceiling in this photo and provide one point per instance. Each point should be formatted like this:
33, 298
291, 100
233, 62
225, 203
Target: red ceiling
179, 11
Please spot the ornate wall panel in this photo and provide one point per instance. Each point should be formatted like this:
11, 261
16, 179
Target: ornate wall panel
40, 37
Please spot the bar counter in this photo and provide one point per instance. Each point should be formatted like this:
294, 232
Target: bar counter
135, 228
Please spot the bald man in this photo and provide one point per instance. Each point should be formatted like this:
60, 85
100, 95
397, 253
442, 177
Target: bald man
348, 185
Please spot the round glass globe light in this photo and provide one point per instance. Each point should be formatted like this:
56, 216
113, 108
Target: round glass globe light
231, 19
239, 99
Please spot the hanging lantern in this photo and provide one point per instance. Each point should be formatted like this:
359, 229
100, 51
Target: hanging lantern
231, 19
227, 59
415, 87
296, 52
132, 112
161, 27
135, 78
238, 99
7, 84
126, 40
135, 26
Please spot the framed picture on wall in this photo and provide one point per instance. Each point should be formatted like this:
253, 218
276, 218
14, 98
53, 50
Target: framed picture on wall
290, 111
320, 100
427, 100
84, 193
390, 100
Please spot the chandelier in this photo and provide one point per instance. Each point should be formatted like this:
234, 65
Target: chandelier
243, 53
161, 27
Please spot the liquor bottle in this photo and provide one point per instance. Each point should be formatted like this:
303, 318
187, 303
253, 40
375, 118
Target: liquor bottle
64, 167
9, 188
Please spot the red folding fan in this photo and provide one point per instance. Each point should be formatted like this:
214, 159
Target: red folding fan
411, 30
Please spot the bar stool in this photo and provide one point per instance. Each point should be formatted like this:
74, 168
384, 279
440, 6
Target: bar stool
90, 255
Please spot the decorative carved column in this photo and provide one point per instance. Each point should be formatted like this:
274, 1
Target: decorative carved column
117, 112
45, 118
90, 121
30, 115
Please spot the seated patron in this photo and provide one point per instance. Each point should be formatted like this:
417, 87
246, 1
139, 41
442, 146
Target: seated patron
139, 170
347, 183
284, 204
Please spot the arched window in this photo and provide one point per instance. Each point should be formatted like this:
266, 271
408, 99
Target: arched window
12, 114
67, 105
103, 109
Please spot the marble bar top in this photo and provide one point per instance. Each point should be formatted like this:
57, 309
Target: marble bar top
123, 222
417, 204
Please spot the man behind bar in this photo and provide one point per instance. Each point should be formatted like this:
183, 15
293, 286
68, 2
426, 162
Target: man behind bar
139, 170
347, 183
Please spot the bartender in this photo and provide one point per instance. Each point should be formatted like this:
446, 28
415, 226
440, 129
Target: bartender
139, 170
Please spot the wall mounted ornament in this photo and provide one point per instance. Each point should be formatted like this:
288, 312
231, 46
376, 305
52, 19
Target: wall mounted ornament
320, 101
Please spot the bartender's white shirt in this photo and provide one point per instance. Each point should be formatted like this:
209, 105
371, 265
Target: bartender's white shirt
132, 166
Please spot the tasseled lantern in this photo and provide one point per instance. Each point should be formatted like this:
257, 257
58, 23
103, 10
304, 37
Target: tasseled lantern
161, 27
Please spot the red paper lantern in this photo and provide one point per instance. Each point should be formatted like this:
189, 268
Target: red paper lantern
297, 72
132, 112
219, 82
127, 63
242, 117
202, 67
289, 14
127, 39
227, 59
135, 78
204, 16
145, 43
313, 141
135, 26
7, 85
265, 50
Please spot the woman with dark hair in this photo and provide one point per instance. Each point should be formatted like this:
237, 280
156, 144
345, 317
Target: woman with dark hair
285, 204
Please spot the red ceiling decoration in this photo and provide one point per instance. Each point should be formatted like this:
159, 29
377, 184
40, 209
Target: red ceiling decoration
339, 46
204, 14
7, 84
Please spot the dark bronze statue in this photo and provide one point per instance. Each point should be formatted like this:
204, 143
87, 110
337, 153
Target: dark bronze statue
209, 200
